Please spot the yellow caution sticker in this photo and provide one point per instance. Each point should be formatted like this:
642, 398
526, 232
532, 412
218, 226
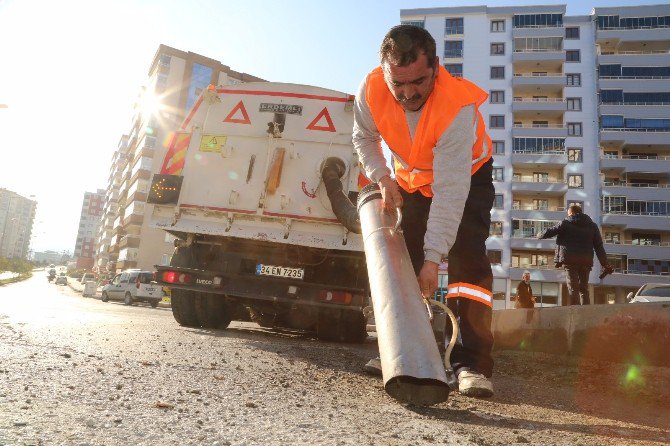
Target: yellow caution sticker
212, 143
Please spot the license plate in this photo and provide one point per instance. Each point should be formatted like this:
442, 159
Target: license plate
151, 289
279, 271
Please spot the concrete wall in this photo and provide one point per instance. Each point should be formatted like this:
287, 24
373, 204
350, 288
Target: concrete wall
627, 333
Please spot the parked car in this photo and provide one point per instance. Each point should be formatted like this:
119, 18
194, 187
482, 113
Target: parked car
86, 276
61, 280
133, 285
650, 292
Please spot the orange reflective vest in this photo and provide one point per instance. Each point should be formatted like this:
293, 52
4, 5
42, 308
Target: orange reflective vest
413, 160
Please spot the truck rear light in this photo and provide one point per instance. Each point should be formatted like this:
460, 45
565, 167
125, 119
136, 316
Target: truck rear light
335, 297
176, 277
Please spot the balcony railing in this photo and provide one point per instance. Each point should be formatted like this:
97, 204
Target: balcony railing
539, 99
638, 243
631, 28
539, 153
537, 50
530, 266
539, 126
634, 77
635, 157
539, 74
531, 207
453, 53
525, 179
634, 129
553, 25
635, 103
640, 273
625, 53
638, 213
642, 185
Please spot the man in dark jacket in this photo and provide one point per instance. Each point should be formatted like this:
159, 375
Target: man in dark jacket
576, 238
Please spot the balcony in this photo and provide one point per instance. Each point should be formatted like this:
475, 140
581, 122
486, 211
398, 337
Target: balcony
642, 221
635, 58
637, 191
128, 254
547, 106
530, 212
640, 109
539, 131
526, 240
541, 273
526, 184
539, 31
635, 136
639, 84
634, 279
651, 251
543, 80
547, 158
125, 264
538, 55
636, 163
621, 35
129, 241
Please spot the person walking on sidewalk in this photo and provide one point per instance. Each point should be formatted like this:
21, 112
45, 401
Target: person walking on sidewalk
524, 293
443, 182
577, 237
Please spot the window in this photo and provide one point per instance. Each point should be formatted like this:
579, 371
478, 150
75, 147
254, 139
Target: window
575, 155
497, 97
455, 69
496, 229
538, 145
498, 147
540, 204
498, 202
574, 80
453, 48
498, 174
574, 129
497, 26
537, 20
572, 32
572, 56
612, 237
417, 23
612, 121
498, 72
574, 104
495, 256
540, 177
576, 181
578, 203
497, 121
497, 49
453, 26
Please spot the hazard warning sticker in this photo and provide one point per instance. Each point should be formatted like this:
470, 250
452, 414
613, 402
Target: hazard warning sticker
281, 108
322, 122
212, 143
238, 115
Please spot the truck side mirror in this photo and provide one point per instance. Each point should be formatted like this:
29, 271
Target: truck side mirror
629, 297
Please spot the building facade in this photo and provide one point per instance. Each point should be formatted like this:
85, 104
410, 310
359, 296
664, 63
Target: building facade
89, 223
175, 80
17, 215
579, 112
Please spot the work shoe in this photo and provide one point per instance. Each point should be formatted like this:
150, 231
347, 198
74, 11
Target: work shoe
474, 384
374, 366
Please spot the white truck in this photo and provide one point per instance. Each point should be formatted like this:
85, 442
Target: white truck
258, 186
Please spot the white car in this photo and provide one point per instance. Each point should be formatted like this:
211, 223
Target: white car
650, 292
133, 285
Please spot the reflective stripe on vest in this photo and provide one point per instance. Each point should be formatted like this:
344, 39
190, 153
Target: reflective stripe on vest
413, 159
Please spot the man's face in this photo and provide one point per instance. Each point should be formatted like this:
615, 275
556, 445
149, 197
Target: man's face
526, 278
411, 85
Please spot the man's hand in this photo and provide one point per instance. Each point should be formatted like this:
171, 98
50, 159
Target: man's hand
428, 279
390, 193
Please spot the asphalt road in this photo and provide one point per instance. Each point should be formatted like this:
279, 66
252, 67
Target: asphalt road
77, 371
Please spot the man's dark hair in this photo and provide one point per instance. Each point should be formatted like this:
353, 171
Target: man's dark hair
403, 45
575, 209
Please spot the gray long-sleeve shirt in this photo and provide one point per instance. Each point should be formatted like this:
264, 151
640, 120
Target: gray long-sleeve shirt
452, 161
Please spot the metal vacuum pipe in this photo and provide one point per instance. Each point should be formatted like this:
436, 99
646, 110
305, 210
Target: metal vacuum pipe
412, 369
332, 170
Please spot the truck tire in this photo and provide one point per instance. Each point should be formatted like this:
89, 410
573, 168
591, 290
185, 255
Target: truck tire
341, 326
212, 311
183, 308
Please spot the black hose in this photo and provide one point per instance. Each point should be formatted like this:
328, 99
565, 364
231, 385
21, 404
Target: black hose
333, 169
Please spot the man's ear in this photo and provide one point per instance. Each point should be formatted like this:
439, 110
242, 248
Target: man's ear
436, 66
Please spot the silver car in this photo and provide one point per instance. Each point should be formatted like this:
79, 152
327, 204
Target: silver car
650, 292
132, 286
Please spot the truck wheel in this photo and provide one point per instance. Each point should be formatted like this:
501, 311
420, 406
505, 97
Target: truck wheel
212, 311
128, 299
341, 326
104, 297
183, 307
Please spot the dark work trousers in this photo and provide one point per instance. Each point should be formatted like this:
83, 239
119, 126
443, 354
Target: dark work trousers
468, 263
578, 283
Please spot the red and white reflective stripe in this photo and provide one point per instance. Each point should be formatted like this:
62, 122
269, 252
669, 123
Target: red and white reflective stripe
470, 291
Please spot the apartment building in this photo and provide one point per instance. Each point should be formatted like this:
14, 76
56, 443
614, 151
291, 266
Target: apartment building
17, 215
175, 80
579, 112
89, 223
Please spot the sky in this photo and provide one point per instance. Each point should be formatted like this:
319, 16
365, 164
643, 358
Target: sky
71, 70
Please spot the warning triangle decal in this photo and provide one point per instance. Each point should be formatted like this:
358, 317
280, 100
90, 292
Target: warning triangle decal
238, 115
322, 122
